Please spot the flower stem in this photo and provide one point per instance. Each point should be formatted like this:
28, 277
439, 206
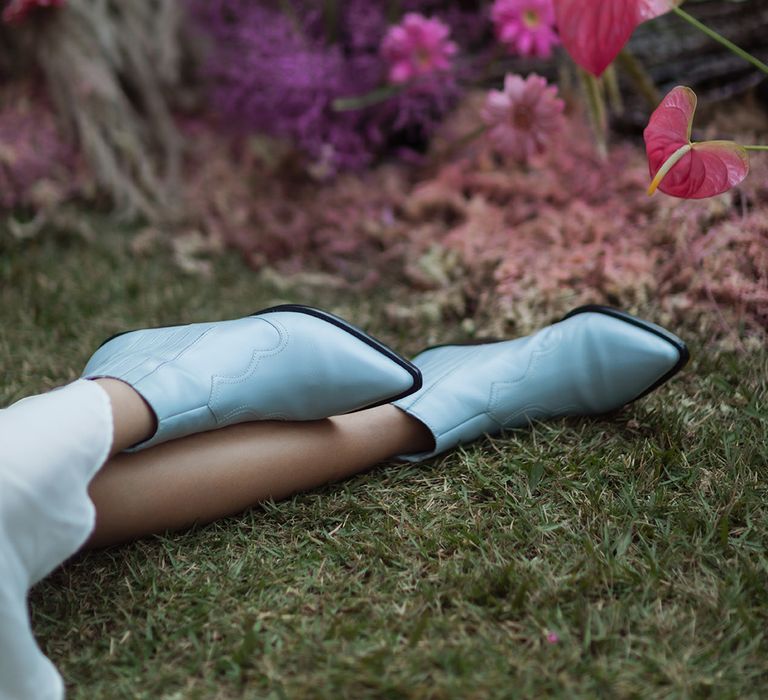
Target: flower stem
380, 94
290, 12
639, 76
394, 11
611, 84
331, 12
596, 106
669, 163
468, 137
757, 63
755, 148
450, 149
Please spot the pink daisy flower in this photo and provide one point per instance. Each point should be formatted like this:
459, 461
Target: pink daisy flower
523, 115
417, 47
526, 27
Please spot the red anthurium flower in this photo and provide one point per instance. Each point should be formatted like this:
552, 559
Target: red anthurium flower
594, 31
681, 167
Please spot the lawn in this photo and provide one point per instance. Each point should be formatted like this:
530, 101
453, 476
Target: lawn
625, 556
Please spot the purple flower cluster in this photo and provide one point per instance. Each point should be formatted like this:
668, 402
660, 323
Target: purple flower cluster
278, 67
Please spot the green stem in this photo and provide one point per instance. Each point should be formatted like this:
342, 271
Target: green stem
639, 77
755, 148
488, 73
290, 11
596, 106
611, 84
450, 149
331, 11
394, 11
381, 94
468, 137
757, 63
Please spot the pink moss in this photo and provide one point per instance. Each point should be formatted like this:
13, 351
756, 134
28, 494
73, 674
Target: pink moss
574, 229
261, 201
499, 240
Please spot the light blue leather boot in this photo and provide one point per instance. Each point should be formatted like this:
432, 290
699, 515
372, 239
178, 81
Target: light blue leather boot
595, 360
284, 363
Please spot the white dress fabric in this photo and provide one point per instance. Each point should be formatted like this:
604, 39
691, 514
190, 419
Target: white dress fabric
51, 446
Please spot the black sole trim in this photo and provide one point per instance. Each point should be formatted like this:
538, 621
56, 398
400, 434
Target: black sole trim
117, 335
369, 340
682, 349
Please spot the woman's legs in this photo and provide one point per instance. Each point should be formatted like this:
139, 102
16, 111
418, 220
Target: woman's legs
595, 360
206, 476
54, 444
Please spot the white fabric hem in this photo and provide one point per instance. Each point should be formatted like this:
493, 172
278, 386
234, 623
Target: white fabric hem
51, 446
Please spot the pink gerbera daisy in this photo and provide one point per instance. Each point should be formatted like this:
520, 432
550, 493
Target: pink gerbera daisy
417, 47
526, 27
523, 115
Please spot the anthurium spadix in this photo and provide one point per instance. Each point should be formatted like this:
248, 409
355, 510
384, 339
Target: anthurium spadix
684, 168
594, 31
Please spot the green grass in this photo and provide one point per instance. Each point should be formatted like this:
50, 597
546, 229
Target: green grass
640, 540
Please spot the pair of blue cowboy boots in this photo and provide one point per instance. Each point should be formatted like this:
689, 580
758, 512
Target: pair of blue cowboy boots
298, 363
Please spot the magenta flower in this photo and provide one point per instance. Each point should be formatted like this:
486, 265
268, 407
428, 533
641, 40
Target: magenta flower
526, 27
523, 116
17, 10
417, 47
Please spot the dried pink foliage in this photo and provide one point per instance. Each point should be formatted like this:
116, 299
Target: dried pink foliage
36, 163
575, 229
263, 203
514, 242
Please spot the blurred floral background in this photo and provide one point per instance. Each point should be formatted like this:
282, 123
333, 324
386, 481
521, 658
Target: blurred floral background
453, 148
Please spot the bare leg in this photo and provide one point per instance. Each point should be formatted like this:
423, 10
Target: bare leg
210, 475
132, 418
